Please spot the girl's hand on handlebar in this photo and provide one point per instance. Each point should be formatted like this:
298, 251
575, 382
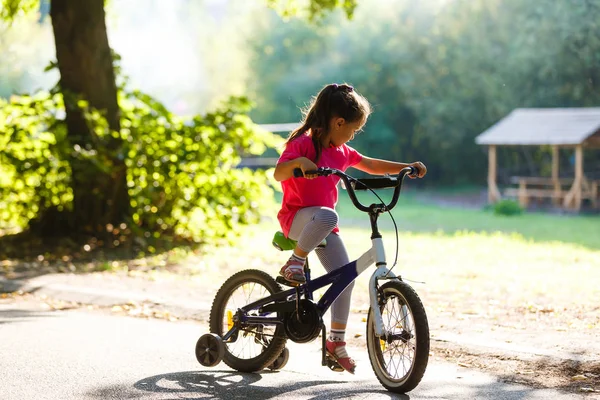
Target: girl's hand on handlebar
307, 165
421, 170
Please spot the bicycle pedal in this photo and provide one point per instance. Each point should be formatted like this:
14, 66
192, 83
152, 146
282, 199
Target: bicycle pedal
333, 365
280, 279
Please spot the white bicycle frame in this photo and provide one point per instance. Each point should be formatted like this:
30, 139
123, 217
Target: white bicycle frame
376, 255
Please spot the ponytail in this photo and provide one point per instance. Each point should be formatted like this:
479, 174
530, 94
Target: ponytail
333, 100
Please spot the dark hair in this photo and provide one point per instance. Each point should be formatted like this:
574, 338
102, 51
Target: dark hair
332, 101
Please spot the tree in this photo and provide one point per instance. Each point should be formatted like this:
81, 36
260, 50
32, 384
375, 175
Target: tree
87, 82
84, 60
85, 63
437, 77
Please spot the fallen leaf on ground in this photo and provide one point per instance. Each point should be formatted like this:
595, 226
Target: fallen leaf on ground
579, 378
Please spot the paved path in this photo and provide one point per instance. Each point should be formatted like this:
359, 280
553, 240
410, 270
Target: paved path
90, 355
192, 300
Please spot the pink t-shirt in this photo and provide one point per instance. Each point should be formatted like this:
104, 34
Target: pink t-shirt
322, 191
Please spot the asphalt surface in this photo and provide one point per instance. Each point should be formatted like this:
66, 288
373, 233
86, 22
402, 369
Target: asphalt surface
192, 300
78, 354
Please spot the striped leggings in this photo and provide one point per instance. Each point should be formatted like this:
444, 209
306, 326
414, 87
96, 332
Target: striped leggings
311, 225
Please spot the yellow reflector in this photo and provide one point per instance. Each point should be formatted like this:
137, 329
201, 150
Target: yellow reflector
229, 319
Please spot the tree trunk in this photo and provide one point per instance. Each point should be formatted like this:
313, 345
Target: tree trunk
86, 72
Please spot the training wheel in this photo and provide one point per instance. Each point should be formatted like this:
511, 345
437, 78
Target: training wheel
281, 360
209, 349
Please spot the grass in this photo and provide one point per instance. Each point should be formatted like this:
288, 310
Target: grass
479, 263
532, 262
534, 268
413, 214
499, 277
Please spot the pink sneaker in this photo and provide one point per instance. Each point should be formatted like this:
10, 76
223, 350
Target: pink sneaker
293, 271
337, 350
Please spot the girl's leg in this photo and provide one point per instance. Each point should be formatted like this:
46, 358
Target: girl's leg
334, 256
311, 225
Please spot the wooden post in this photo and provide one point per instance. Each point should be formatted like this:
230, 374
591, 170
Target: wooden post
573, 198
578, 176
557, 188
493, 192
523, 199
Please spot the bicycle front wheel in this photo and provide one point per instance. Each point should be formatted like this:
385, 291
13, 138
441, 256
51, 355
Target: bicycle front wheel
399, 357
253, 347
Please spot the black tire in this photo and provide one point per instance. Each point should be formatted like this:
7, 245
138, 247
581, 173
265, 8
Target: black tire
400, 364
260, 345
281, 360
210, 350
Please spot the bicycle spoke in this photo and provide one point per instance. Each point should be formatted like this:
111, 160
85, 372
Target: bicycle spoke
251, 346
250, 341
398, 356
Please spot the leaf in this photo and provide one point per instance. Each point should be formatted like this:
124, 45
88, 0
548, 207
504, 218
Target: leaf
526, 372
579, 378
52, 65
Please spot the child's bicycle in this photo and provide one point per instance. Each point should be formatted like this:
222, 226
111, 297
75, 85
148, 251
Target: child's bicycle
252, 317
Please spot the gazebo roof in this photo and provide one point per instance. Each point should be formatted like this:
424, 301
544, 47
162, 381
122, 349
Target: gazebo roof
543, 126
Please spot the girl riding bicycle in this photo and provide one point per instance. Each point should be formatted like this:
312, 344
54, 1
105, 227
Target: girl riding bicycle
308, 213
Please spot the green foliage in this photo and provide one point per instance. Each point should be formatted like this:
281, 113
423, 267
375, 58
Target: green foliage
507, 207
181, 174
34, 172
9, 9
437, 73
313, 8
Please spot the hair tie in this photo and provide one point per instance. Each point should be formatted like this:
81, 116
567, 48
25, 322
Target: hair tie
344, 87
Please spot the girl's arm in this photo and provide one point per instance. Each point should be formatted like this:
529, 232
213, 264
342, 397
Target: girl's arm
285, 170
375, 166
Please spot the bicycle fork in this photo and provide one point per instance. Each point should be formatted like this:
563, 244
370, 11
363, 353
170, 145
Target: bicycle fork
375, 255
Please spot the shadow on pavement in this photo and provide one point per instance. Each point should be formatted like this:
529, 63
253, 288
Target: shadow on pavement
12, 315
237, 385
559, 374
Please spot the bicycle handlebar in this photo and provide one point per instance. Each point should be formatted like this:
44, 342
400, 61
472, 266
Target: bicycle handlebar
353, 184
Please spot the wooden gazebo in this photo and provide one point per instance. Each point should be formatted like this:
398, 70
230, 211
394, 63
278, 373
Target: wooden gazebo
574, 128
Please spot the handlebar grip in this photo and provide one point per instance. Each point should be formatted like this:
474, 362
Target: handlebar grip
299, 174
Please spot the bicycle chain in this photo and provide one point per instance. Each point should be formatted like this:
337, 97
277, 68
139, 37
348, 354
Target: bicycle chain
255, 333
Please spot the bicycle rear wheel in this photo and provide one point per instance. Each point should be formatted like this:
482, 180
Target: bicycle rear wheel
256, 346
399, 358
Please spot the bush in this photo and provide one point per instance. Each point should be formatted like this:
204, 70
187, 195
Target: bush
507, 207
181, 174
34, 172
